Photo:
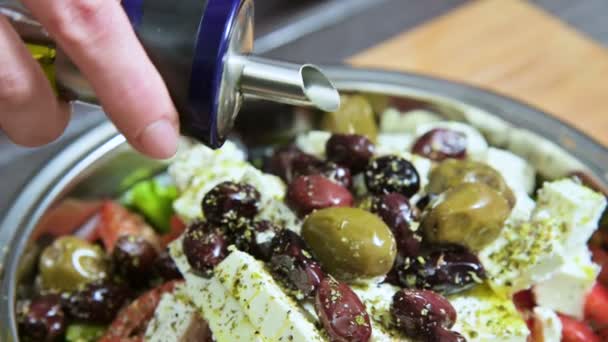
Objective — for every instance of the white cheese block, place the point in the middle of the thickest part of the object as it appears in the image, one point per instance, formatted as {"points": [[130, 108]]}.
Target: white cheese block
{"points": [[484, 316], [393, 143], [227, 320], [313, 142], [176, 320], [576, 207], [394, 121], [477, 147], [198, 169], [194, 158], [517, 173], [269, 308], [548, 324], [565, 291], [529, 253], [522, 211]]}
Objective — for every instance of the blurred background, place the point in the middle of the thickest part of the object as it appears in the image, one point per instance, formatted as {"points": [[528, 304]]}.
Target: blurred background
{"points": [[423, 35]]}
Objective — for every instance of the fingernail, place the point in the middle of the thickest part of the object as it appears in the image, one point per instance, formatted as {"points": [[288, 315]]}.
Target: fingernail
{"points": [[160, 139]]}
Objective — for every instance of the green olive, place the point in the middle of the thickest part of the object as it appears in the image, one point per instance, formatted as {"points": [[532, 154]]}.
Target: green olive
{"points": [[355, 116], [471, 214], [350, 242], [69, 263], [452, 172]]}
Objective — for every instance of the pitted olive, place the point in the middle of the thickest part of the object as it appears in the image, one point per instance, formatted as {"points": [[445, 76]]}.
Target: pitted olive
{"points": [[452, 172], [355, 116], [350, 242], [471, 214], [70, 263]]}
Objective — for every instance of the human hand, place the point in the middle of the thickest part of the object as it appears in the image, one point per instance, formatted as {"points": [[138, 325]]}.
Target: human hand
{"points": [[98, 37]]}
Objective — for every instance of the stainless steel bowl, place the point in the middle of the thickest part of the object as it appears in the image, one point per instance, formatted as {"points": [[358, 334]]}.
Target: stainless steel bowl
{"points": [[101, 164]]}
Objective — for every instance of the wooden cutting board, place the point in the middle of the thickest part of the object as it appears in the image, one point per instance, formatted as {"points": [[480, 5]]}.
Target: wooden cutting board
{"points": [[511, 47]]}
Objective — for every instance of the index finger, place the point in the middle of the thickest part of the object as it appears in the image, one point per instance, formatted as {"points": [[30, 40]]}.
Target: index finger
{"points": [[99, 39]]}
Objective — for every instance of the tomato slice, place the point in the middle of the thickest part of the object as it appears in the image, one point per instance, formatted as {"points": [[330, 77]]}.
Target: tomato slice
{"points": [[600, 256], [65, 217], [177, 227], [130, 323], [524, 300], [576, 331], [116, 221], [596, 307]]}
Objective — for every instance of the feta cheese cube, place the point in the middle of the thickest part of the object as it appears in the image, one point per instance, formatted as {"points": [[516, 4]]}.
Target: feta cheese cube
{"points": [[565, 291], [394, 121], [313, 142], [547, 324], [176, 320], [484, 316], [529, 253], [393, 143], [517, 173]]}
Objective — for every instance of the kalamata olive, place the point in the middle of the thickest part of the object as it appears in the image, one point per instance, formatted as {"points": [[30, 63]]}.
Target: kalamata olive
{"points": [[391, 173], [97, 303], [205, 246], [285, 160], [441, 334], [341, 312], [441, 143], [41, 319], [229, 203], [452, 173], [70, 263], [134, 258], [355, 116], [471, 214], [351, 150], [446, 270], [308, 193], [415, 311], [306, 165], [350, 242], [292, 262], [396, 211], [424, 201], [165, 267], [261, 244]]}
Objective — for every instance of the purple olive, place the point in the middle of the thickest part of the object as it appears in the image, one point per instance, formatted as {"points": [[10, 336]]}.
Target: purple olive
{"points": [[396, 211], [41, 319], [308, 193], [291, 261], [440, 334], [264, 232], [165, 267], [391, 173], [97, 303], [229, 204], [440, 143], [134, 258], [204, 246], [351, 150], [286, 160], [446, 270], [416, 312], [341, 312]]}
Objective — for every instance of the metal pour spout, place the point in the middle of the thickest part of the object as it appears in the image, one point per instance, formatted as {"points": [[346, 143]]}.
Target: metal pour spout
{"points": [[287, 83]]}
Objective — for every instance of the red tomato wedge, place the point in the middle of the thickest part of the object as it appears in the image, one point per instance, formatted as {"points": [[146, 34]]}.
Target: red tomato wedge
{"points": [[596, 307], [116, 221], [131, 322], [600, 256], [177, 227], [65, 217], [524, 300], [576, 331]]}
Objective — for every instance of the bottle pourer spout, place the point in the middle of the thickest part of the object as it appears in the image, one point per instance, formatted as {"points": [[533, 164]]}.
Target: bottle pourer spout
{"points": [[288, 83]]}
